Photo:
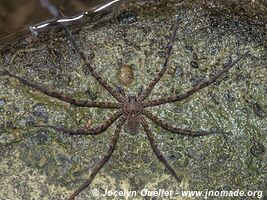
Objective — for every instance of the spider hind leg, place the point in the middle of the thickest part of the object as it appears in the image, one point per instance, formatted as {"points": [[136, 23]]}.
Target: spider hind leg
{"points": [[159, 155]]}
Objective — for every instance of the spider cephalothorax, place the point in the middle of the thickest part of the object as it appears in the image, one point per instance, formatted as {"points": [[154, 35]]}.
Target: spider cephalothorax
{"points": [[132, 105], [131, 108]]}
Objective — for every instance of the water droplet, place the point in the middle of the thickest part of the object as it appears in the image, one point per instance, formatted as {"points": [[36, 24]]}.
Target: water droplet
{"points": [[257, 149], [40, 111], [92, 95], [194, 64], [42, 137], [192, 153], [195, 56], [146, 159], [258, 110], [127, 17], [2, 102], [240, 78], [188, 49], [222, 158], [229, 97], [179, 72]]}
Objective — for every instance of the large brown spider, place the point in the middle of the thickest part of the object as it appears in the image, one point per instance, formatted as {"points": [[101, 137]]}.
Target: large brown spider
{"points": [[129, 108]]}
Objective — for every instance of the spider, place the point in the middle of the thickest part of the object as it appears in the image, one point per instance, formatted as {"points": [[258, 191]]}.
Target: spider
{"points": [[131, 110]]}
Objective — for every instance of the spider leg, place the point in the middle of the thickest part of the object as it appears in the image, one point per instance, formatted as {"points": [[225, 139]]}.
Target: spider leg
{"points": [[151, 85], [83, 131], [103, 161], [156, 150], [62, 97], [100, 80], [195, 89], [140, 90], [180, 131], [120, 90]]}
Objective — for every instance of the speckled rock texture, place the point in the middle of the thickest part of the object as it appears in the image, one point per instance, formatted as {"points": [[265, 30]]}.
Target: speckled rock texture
{"points": [[39, 163]]}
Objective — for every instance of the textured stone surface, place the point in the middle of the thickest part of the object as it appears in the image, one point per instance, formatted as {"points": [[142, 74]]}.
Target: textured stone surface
{"points": [[43, 164]]}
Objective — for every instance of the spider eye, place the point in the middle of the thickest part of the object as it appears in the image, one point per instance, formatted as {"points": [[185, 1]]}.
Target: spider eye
{"points": [[131, 97]]}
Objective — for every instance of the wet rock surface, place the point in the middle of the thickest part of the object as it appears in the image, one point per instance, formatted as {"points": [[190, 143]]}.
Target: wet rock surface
{"points": [[38, 163]]}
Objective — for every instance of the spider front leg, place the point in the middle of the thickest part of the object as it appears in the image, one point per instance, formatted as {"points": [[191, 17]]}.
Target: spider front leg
{"points": [[151, 85], [91, 131], [100, 80], [156, 150], [62, 97], [169, 99], [140, 90], [121, 90], [180, 131], [103, 161]]}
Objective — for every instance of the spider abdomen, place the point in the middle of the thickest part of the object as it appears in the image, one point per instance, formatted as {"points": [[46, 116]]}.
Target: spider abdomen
{"points": [[133, 123]]}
